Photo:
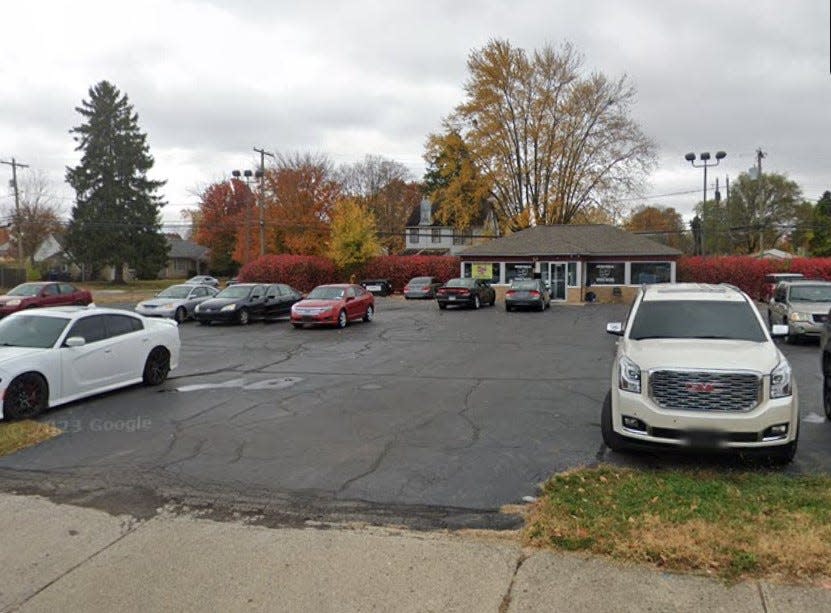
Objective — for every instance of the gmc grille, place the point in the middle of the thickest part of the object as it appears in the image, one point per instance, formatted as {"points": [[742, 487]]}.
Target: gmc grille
{"points": [[705, 391]]}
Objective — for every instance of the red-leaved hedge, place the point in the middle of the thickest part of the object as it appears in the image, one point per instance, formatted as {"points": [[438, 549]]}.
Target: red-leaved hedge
{"points": [[748, 273], [303, 272], [401, 268]]}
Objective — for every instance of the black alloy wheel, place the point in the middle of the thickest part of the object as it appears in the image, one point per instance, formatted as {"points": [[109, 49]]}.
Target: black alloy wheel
{"points": [[157, 366], [26, 397]]}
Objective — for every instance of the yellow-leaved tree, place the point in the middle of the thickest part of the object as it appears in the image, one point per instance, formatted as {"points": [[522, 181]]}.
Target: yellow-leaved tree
{"points": [[354, 235]]}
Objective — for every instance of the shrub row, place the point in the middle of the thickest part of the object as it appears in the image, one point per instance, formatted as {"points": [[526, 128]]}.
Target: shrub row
{"points": [[401, 268], [748, 273], [305, 272], [302, 272]]}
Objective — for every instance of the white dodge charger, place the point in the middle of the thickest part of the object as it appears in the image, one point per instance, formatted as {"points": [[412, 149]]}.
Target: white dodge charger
{"points": [[56, 355]]}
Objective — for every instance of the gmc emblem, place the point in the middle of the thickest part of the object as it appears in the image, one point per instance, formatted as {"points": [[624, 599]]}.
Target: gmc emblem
{"points": [[701, 388]]}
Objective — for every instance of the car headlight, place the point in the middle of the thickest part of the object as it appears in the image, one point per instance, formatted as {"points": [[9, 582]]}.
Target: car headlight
{"points": [[796, 316], [229, 307], [169, 305], [198, 308], [629, 375], [781, 380], [13, 303]]}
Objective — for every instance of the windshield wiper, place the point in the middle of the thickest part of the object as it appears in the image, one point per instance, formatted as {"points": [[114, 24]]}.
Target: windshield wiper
{"points": [[8, 345]]}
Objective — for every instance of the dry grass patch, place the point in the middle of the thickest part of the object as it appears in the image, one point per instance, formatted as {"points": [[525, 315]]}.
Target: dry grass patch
{"points": [[735, 525], [17, 435]]}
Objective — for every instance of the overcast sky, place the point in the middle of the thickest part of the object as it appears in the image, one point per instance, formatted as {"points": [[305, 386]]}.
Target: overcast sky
{"points": [[212, 79]]}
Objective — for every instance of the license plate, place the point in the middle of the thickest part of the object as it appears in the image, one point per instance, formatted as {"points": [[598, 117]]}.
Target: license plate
{"points": [[706, 439], [374, 288], [452, 298], [308, 318]]}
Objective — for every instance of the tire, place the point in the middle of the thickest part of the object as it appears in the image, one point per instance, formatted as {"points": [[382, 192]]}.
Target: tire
{"points": [[476, 303], [204, 322], [770, 322], [508, 308], [180, 315], [542, 306], [784, 454], [243, 317], [297, 326], [612, 439], [442, 306], [26, 397], [342, 320], [157, 366], [370, 313], [826, 385]]}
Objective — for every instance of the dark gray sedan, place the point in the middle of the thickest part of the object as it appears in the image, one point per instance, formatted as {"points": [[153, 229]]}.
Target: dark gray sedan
{"points": [[527, 293]]}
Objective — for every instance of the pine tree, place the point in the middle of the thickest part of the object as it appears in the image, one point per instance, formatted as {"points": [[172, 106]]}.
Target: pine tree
{"points": [[821, 235], [116, 218]]}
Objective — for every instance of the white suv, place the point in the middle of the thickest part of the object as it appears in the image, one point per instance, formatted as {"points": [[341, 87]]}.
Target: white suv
{"points": [[696, 366]]}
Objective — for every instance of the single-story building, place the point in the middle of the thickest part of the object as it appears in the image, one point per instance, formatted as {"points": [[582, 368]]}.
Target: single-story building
{"points": [[185, 258], [578, 262]]}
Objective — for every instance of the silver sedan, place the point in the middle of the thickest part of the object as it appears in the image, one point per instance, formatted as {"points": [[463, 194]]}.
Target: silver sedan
{"points": [[176, 302]]}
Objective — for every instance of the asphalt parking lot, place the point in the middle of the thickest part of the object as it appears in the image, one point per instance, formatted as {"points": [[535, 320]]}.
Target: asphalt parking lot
{"points": [[449, 414]]}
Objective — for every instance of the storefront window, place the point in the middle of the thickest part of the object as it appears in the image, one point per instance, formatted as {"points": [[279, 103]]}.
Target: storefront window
{"points": [[572, 274], [518, 271], [651, 272], [480, 270], [606, 274]]}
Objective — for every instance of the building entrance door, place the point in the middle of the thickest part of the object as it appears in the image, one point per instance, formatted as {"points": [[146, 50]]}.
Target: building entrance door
{"points": [[558, 281]]}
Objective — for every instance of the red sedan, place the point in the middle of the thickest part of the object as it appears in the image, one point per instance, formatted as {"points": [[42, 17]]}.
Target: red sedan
{"points": [[333, 305], [46, 294]]}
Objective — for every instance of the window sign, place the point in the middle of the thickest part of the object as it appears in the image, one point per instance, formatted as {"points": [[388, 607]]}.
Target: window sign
{"points": [[606, 274], [651, 272], [487, 271], [518, 271]]}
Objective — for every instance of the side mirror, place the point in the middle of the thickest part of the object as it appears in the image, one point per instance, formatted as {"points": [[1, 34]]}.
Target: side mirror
{"points": [[75, 341], [350, 298], [615, 328], [255, 297], [779, 330]]}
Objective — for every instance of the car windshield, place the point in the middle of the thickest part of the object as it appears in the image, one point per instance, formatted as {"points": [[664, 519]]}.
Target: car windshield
{"points": [[175, 291], [459, 283], [326, 293], [26, 289], [234, 292], [696, 319], [524, 284], [421, 281], [778, 278], [31, 331], [811, 293]]}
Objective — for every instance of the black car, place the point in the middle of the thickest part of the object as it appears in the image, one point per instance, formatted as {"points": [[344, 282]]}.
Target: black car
{"points": [[238, 303], [465, 292], [279, 299], [377, 287], [527, 293]]}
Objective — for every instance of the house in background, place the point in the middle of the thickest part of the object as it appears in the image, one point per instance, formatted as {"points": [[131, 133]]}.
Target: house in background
{"points": [[7, 250], [425, 236], [774, 254], [185, 258]]}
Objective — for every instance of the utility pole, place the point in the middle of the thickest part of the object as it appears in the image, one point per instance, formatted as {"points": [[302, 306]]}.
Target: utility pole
{"points": [[15, 164], [262, 153], [759, 155]]}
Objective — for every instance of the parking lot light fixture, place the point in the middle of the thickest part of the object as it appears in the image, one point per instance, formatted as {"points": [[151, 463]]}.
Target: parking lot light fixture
{"points": [[705, 163]]}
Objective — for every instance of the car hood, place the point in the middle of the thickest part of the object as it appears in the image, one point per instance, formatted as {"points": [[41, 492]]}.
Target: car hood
{"points": [[221, 302], [317, 303], [5, 298], [155, 302], [13, 354], [703, 354], [800, 307]]}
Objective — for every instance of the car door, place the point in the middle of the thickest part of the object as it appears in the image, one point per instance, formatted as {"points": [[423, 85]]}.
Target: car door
{"points": [[50, 296], [353, 305], [197, 295], [289, 297], [272, 306], [256, 301], [129, 345], [90, 367]]}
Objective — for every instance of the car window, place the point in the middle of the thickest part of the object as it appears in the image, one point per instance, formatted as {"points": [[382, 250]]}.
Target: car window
{"points": [[91, 329], [811, 293], [50, 290], [286, 290], [258, 291], [273, 291], [31, 331], [350, 292], [122, 324], [66, 288]]}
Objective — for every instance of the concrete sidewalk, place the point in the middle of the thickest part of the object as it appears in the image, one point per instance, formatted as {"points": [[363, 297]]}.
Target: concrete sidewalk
{"points": [[58, 557]]}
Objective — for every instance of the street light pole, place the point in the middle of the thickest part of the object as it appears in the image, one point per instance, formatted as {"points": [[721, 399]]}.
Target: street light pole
{"points": [[261, 176], [247, 174], [18, 222], [705, 158]]}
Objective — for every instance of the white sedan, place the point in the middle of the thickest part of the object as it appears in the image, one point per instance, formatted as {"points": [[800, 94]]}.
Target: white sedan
{"points": [[56, 355]]}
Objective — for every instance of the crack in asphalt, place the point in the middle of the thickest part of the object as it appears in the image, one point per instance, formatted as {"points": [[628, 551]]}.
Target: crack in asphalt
{"points": [[376, 464], [477, 429]]}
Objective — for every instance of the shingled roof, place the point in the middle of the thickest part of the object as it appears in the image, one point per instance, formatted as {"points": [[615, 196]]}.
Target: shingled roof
{"points": [[570, 240], [180, 248]]}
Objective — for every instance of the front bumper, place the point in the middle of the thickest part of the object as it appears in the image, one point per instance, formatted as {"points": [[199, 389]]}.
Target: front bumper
{"points": [[321, 319], [805, 328], [216, 315], [156, 312], [724, 429]]}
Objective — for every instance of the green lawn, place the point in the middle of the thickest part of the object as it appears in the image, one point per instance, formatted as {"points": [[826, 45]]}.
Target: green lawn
{"points": [[731, 525]]}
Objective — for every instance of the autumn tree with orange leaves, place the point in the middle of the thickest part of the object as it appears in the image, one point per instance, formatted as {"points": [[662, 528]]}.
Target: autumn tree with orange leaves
{"points": [[663, 224], [217, 221]]}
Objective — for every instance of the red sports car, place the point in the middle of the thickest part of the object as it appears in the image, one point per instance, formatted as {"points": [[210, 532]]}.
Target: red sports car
{"points": [[46, 294], [333, 305]]}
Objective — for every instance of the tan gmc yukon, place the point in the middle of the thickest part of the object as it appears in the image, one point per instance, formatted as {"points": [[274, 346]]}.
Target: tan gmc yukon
{"points": [[696, 366]]}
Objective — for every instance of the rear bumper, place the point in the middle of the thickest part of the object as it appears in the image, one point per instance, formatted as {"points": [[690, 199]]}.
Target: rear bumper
{"points": [[457, 301], [524, 302]]}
